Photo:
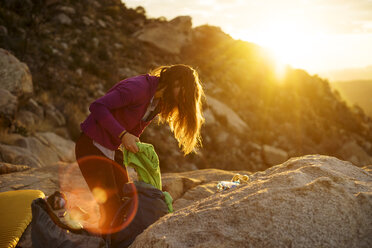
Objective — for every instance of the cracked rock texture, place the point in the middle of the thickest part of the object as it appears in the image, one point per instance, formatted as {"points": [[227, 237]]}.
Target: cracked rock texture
{"points": [[310, 201]]}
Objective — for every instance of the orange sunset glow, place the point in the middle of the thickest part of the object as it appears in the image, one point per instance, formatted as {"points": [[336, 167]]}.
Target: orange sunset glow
{"points": [[317, 36]]}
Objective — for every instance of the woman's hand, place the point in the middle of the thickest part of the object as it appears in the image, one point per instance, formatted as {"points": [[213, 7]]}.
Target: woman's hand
{"points": [[129, 141]]}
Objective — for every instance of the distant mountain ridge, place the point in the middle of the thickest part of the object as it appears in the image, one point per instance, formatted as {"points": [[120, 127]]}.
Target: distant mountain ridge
{"points": [[348, 74], [356, 92]]}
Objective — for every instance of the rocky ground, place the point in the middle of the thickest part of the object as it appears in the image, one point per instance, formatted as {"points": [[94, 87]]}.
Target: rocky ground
{"points": [[308, 201], [311, 201]]}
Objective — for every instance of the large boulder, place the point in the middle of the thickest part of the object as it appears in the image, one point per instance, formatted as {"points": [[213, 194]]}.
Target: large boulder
{"points": [[311, 201], [42, 151], [273, 155], [15, 75], [170, 36], [8, 104], [64, 148], [220, 109], [19, 155], [354, 153]]}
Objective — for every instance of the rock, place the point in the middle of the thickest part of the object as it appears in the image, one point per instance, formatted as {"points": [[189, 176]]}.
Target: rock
{"points": [[253, 146], [63, 147], [8, 104], [41, 150], [9, 168], [9, 138], [56, 51], [95, 42], [368, 168], [183, 23], [63, 19], [177, 185], [87, 21], [188, 187], [101, 23], [17, 186], [352, 152], [79, 72], [209, 117], [35, 108], [27, 118], [15, 75], [74, 116], [19, 155], [33, 178], [118, 46], [222, 137], [139, 22], [96, 4], [273, 156], [169, 36], [51, 2], [197, 193], [367, 145], [54, 116], [311, 201], [45, 153], [127, 72], [64, 45], [220, 109], [188, 166], [3, 31], [67, 10]]}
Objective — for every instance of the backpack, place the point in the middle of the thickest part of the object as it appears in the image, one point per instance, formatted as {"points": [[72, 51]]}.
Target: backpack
{"points": [[48, 231], [144, 205]]}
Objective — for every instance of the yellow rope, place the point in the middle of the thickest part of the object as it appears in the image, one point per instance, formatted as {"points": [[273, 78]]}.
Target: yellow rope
{"points": [[240, 178]]}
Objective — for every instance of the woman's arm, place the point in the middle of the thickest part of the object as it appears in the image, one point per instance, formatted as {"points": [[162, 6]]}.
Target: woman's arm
{"points": [[116, 98]]}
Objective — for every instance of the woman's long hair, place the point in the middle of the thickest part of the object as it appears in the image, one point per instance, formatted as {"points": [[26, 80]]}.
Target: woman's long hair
{"points": [[184, 114]]}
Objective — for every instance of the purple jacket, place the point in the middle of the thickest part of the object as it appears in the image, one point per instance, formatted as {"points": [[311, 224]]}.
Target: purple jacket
{"points": [[121, 108]]}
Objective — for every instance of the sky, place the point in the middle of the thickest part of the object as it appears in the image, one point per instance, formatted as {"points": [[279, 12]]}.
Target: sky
{"points": [[315, 35]]}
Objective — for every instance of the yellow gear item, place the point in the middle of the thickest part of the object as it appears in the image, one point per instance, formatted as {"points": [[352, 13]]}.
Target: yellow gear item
{"points": [[15, 214]]}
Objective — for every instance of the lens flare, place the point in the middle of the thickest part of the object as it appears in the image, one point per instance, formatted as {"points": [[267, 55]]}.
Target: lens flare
{"points": [[78, 194], [99, 195]]}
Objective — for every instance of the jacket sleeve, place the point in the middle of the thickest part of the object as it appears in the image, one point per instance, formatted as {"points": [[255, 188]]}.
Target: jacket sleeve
{"points": [[119, 97]]}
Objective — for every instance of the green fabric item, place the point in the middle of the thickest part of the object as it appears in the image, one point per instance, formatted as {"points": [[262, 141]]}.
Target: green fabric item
{"points": [[146, 164], [168, 201], [168, 198]]}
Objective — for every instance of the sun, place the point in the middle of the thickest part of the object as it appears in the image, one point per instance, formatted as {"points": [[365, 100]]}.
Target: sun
{"points": [[291, 42]]}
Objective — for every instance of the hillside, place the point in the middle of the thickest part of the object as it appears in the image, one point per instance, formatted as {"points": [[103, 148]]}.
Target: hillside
{"points": [[356, 92], [77, 50]]}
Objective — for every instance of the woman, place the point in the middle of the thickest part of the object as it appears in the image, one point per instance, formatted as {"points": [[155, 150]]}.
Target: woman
{"points": [[119, 118]]}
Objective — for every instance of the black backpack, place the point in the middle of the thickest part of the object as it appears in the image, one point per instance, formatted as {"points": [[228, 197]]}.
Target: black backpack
{"points": [[145, 201], [149, 207], [48, 231]]}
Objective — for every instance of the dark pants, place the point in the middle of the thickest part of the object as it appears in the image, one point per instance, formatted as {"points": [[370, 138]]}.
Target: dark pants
{"points": [[103, 173]]}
